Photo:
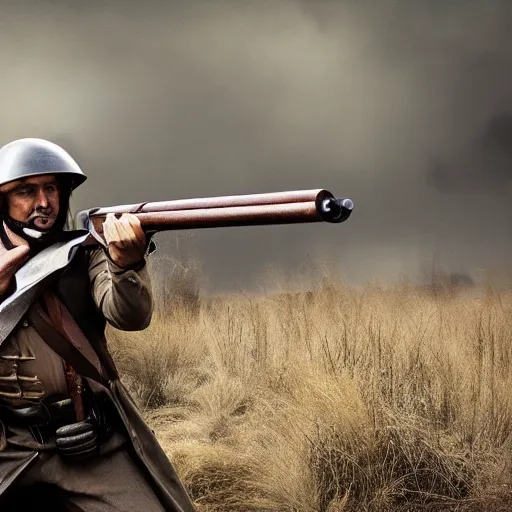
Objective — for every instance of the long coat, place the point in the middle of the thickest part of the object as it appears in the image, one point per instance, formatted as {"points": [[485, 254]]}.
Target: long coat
{"points": [[95, 292]]}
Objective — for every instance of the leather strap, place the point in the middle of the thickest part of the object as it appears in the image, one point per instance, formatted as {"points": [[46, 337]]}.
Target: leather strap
{"points": [[62, 346], [96, 354], [73, 380]]}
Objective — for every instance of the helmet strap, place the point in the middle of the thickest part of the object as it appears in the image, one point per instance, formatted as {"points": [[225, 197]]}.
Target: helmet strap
{"points": [[35, 243], [4, 237], [47, 237]]}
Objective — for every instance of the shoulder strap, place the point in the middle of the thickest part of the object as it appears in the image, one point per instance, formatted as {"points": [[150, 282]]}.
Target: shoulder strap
{"points": [[85, 315], [66, 350]]}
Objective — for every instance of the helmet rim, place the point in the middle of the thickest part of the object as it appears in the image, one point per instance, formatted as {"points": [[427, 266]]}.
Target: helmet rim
{"points": [[30, 157]]}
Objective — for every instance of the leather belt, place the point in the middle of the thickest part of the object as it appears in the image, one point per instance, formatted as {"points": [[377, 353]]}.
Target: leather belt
{"points": [[45, 417], [39, 414]]}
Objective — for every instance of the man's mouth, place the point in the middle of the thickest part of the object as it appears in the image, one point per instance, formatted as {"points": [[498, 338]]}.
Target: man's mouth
{"points": [[43, 216], [39, 225], [40, 221], [43, 219]]}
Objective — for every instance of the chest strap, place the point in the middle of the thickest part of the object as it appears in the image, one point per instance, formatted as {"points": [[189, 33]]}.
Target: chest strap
{"points": [[64, 345]]}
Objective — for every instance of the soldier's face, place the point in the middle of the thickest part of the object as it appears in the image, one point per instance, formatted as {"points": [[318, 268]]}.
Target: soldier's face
{"points": [[33, 200]]}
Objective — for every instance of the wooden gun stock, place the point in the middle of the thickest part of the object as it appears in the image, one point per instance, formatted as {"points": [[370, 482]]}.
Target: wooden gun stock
{"points": [[291, 207]]}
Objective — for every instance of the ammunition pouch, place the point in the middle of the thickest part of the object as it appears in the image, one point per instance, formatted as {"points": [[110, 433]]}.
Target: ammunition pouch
{"points": [[54, 420]]}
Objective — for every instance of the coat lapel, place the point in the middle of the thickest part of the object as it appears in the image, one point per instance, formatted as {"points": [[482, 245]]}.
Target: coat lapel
{"points": [[34, 278]]}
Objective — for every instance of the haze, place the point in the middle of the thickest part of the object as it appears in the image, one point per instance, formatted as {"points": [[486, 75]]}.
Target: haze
{"points": [[405, 107]]}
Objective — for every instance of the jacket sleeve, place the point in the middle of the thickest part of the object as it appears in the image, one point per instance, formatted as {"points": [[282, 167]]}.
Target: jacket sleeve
{"points": [[124, 297]]}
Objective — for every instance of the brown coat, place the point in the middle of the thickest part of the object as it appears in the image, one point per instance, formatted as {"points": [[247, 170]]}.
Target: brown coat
{"points": [[96, 292]]}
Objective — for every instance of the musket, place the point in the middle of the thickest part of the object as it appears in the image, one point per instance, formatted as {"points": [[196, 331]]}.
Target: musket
{"points": [[290, 207]]}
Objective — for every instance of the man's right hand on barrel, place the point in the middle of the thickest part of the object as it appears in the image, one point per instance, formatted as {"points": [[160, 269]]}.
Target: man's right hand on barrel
{"points": [[10, 262]]}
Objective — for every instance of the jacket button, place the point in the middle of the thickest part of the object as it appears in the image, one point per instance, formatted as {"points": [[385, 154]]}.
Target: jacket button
{"points": [[25, 323]]}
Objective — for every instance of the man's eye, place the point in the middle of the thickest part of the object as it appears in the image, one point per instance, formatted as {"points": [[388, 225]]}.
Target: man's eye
{"points": [[24, 191], [51, 189]]}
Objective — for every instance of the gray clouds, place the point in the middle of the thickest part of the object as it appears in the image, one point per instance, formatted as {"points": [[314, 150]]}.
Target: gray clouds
{"points": [[391, 103]]}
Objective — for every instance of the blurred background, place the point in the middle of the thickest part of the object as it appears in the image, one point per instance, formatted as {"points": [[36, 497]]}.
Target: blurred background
{"points": [[403, 106]]}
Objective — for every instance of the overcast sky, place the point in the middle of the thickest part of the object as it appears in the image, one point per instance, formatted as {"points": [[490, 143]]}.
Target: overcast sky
{"points": [[403, 106]]}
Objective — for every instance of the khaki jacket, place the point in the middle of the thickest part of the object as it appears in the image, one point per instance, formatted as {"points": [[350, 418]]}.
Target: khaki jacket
{"points": [[95, 292]]}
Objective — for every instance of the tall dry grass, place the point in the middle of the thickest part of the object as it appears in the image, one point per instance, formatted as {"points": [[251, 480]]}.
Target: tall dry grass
{"points": [[335, 400]]}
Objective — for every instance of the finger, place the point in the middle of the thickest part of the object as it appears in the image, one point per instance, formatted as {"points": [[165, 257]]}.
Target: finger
{"points": [[11, 260], [127, 233], [19, 252], [74, 429], [106, 227], [137, 229], [110, 230]]}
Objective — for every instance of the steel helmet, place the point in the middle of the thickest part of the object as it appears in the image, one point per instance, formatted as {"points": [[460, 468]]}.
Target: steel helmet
{"points": [[23, 158]]}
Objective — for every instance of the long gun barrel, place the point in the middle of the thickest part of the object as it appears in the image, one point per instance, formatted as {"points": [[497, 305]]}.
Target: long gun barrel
{"points": [[291, 207]]}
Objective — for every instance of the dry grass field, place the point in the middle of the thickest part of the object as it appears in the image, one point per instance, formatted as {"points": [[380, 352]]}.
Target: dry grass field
{"points": [[340, 399]]}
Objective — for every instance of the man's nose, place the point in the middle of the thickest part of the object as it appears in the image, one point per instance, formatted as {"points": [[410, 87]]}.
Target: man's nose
{"points": [[42, 199]]}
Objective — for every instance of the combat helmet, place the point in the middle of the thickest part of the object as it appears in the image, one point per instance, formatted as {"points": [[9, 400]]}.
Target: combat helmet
{"points": [[28, 157], [24, 158]]}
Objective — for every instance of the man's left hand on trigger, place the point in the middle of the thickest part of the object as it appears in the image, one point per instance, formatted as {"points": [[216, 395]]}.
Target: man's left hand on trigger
{"points": [[125, 238]]}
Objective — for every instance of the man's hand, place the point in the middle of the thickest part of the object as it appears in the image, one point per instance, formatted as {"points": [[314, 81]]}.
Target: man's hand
{"points": [[125, 238], [77, 440], [10, 262]]}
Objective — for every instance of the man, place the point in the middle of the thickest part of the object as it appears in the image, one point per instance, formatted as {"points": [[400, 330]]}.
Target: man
{"points": [[69, 431]]}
